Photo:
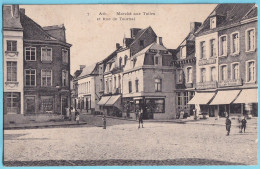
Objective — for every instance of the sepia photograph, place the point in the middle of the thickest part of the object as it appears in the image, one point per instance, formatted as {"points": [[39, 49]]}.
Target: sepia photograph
{"points": [[130, 84]]}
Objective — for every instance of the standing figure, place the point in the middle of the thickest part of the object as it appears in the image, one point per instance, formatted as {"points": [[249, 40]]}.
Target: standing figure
{"points": [[77, 116], [141, 118], [228, 125], [136, 114], [243, 126], [104, 122]]}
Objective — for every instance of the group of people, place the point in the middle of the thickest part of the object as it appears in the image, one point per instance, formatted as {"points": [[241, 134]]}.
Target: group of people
{"points": [[72, 114], [242, 125]]}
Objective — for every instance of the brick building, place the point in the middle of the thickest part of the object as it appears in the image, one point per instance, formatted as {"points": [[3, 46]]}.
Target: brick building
{"points": [[226, 61]]}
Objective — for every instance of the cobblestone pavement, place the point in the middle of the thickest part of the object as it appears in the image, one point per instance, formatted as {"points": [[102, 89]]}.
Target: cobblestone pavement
{"points": [[125, 144]]}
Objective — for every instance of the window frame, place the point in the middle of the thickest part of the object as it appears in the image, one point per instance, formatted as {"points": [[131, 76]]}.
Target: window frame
{"points": [[232, 70], [42, 77], [246, 40], [30, 77], [66, 78], [201, 79], [221, 46], [130, 87], [11, 41], [46, 47], [203, 54], [220, 72], [67, 57], [211, 77], [187, 74], [232, 43], [26, 49], [210, 48], [13, 79], [136, 85], [158, 85], [247, 72]]}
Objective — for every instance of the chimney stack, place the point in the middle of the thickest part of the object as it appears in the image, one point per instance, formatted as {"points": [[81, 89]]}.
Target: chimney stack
{"points": [[134, 32], [22, 10], [160, 40], [81, 67], [118, 46], [15, 11], [194, 26]]}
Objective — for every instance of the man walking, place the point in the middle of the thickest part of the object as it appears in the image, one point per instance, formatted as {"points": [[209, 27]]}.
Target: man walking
{"points": [[228, 125], [141, 118], [243, 126]]}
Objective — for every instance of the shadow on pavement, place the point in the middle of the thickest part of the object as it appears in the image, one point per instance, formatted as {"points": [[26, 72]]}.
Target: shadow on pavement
{"points": [[120, 162]]}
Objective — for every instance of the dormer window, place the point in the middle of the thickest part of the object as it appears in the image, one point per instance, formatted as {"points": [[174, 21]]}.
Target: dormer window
{"points": [[183, 52], [125, 59], [134, 62], [213, 23], [141, 43]]}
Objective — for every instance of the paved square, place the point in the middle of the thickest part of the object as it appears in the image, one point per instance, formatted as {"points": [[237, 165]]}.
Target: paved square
{"points": [[157, 141]]}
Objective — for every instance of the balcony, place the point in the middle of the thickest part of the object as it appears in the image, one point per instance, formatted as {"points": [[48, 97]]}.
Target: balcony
{"points": [[11, 84], [207, 61], [11, 53], [230, 82], [206, 85]]}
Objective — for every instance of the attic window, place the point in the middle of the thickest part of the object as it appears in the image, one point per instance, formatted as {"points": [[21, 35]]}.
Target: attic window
{"points": [[213, 23], [153, 50], [141, 43]]}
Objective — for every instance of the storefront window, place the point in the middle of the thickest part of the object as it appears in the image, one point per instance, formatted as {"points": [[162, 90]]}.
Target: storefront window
{"points": [[156, 105], [47, 104]]}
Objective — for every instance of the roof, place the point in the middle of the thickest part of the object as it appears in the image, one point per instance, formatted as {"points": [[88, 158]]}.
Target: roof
{"points": [[9, 21], [54, 27], [154, 46], [140, 33], [33, 31], [231, 13], [87, 71]]}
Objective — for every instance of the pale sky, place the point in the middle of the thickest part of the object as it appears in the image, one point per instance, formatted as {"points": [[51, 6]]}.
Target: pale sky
{"points": [[93, 40]]}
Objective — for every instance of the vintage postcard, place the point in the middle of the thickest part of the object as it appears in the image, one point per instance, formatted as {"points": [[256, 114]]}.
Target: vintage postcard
{"points": [[130, 85]]}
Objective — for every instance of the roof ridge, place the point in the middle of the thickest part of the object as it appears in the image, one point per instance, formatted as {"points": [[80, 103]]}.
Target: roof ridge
{"points": [[253, 7], [144, 30]]}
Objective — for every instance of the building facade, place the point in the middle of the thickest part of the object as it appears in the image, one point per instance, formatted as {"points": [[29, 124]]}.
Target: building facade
{"points": [[226, 61]]}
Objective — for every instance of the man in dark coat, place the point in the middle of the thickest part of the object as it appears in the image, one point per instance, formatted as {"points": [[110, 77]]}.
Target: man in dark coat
{"points": [[243, 126], [228, 125], [141, 118]]}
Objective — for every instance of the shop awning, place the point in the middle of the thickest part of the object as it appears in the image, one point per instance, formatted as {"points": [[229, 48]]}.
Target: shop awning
{"points": [[112, 100], [247, 96], [225, 97], [103, 100], [202, 98]]}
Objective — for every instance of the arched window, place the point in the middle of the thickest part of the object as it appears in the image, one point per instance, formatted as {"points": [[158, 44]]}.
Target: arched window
{"points": [[125, 59], [120, 62]]}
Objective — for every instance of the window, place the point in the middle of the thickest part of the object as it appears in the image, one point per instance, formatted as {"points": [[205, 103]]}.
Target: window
{"points": [[202, 50], [65, 56], [251, 71], [213, 74], [11, 71], [189, 75], [107, 87], [183, 52], [213, 23], [12, 102], [223, 45], [101, 85], [235, 71], [125, 60], [134, 62], [179, 100], [212, 48], [46, 77], [179, 76], [46, 104], [11, 46], [141, 43], [158, 85], [30, 54], [114, 82], [110, 85], [155, 105], [235, 43], [46, 54], [130, 86], [156, 60], [223, 72], [136, 85], [64, 78], [119, 81], [30, 77], [203, 75], [250, 39], [186, 99], [120, 62]]}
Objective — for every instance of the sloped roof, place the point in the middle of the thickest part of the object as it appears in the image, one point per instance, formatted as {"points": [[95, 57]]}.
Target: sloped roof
{"points": [[154, 46], [9, 21], [87, 71], [232, 13], [140, 33]]}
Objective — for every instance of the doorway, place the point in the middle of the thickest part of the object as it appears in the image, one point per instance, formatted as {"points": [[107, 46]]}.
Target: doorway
{"points": [[29, 104]]}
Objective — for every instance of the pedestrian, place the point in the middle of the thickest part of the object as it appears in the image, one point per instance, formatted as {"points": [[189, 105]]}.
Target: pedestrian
{"points": [[136, 114], [68, 113], [104, 122], [72, 113], [228, 125], [243, 126], [239, 124], [141, 118], [77, 116]]}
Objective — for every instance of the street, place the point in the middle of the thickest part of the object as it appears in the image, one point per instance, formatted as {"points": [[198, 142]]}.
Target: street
{"points": [[125, 144]]}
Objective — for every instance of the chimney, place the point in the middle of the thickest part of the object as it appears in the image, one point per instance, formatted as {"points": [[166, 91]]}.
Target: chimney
{"points": [[160, 41], [118, 46], [81, 67], [194, 26], [22, 10], [15, 11], [134, 32]]}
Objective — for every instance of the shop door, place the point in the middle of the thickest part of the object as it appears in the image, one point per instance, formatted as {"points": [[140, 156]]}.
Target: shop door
{"points": [[29, 104], [64, 104]]}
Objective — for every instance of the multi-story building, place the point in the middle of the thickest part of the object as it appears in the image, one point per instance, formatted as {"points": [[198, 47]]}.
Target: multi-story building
{"points": [[185, 65], [12, 62], [74, 87], [226, 61]]}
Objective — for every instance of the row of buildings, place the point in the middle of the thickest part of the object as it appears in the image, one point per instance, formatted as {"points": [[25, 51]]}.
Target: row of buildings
{"points": [[214, 70], [36, 64]]}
